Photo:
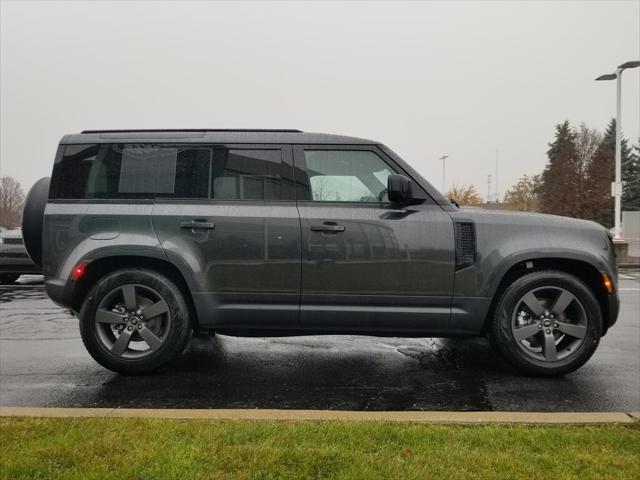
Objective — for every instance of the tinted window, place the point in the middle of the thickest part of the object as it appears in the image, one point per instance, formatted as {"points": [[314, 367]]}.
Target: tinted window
{"points": [[183, 172], [136, 169], [103, 171], [347, 176], [131, 171], [247, 175], [69, 177]]}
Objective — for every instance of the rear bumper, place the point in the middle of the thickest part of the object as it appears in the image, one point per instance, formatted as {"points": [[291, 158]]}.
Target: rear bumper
{"points": [[60, 291]]}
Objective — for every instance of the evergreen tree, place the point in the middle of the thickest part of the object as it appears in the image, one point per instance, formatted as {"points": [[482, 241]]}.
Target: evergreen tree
{"points": [[631, 179], [562, 177]]}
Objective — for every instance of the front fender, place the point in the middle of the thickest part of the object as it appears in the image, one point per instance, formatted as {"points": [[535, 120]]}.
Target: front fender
{"points": [[489, 285], [502, 247]]}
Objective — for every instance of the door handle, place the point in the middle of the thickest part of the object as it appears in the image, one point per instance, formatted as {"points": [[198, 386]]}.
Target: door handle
{"points": [[197, 224], [327, 228]]}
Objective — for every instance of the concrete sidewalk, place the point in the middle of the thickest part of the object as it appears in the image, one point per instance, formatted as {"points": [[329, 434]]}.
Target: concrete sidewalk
{"points": [[323, 415]]}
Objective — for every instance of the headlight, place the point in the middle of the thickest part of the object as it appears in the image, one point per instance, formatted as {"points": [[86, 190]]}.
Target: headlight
{"points": [[1, 240]]}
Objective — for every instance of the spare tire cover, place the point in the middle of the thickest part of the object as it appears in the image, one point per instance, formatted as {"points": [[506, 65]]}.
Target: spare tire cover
{"points": [[33, 218]]}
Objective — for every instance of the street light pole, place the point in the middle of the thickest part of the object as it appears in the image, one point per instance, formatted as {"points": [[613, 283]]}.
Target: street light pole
{"points": [[616, 186], [443, 158], [617, 228]]}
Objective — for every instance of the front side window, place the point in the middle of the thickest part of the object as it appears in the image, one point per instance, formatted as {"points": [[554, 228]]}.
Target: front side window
{"points": [[347, 176], [251, 174]]}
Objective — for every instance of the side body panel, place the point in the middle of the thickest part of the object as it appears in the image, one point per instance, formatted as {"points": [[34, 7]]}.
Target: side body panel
{"points": [[246, 270], [391, 269], [82, 232]]}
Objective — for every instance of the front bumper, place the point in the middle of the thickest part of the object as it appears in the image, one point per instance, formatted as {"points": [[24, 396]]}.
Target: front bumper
{"points": [[613, 307]]}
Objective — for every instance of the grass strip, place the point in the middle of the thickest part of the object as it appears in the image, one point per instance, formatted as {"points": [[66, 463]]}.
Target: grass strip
{"points": [[137, 448]]}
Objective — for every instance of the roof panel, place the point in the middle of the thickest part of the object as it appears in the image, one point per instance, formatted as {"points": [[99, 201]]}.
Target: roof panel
{"points": [[213, 136]]}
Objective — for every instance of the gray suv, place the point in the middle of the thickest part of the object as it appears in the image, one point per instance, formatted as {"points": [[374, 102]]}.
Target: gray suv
{"points": [[152, 235]]}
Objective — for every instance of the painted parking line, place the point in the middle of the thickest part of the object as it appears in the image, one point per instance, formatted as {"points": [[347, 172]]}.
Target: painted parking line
{"points": [[325, 415]]}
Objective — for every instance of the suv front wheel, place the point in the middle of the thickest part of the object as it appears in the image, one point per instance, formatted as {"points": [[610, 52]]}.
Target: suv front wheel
{"points": [[134, 321], [547, 323]]}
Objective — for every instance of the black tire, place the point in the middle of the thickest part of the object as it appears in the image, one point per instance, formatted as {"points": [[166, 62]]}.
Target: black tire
{"points": [[7, 278], [502, 336], [178, 331], [33, 218]]}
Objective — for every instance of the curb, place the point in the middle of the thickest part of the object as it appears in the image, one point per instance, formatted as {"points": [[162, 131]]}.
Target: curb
{"points": [[584, 418]]}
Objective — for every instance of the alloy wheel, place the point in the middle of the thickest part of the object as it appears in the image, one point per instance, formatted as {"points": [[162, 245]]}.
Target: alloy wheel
{"points": [[132, 321], [549, 323]]}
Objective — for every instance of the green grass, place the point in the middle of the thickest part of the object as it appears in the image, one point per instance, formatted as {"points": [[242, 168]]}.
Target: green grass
{"points": [[123, 449]]}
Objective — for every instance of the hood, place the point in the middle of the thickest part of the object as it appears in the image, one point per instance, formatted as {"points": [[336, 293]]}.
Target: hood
{"points": [[509, 217]]}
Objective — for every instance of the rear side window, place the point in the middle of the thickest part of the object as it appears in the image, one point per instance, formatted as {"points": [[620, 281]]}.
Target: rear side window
{"points": [[112, 171], [247, 174], [183, 172], [103, 171]]}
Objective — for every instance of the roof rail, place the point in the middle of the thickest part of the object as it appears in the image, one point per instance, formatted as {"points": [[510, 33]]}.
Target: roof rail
{"points": [[261, 130]]}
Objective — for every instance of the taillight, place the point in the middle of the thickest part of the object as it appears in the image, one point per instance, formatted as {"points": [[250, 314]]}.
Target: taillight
{"points": [[78, 271]]}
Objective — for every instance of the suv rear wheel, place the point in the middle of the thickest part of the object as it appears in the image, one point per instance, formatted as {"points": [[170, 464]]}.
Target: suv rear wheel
{"points": [[547, 323], [134, 321]]}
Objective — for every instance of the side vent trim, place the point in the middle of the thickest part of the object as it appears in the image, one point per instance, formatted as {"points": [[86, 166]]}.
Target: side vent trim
{"points": [[465, 244]]}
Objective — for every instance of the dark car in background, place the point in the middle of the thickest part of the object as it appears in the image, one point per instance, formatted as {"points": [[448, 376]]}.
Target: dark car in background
{"points": [[14, 259], [151, 235]]}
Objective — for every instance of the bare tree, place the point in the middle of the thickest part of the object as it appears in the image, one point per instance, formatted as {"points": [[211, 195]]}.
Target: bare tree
{"points": [[587, 141], [11, 202], [464, 195]]}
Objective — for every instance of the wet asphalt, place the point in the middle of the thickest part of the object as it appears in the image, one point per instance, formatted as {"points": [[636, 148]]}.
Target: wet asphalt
{"points": [[43, 363]]}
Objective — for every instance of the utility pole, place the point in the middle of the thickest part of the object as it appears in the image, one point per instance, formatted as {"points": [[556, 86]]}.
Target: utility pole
{"points": [[488, 188], [443, 158], [496, 179]]}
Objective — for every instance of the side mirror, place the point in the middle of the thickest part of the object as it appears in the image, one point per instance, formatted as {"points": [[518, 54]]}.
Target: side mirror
{"points": [[399, 189]]}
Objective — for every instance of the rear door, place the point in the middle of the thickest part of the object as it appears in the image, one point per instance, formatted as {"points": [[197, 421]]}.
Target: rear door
{"points": [[226, 214], [367, 264]]}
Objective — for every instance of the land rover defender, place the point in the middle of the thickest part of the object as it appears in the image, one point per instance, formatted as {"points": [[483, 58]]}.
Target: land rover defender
{"points": [[151, 235]]}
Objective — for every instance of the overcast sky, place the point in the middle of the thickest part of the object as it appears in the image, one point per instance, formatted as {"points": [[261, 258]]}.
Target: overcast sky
{"points": [[428, 79]]}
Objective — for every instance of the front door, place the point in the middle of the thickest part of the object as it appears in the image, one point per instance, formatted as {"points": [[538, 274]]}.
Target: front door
{"points": [[367, 264]]}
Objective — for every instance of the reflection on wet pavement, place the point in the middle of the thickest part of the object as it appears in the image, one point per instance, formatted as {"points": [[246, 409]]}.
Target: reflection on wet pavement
{"points": [[43, 363]]}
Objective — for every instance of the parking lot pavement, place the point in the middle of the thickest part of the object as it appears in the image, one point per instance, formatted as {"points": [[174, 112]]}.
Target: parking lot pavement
{"points": [[43, 363]]}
